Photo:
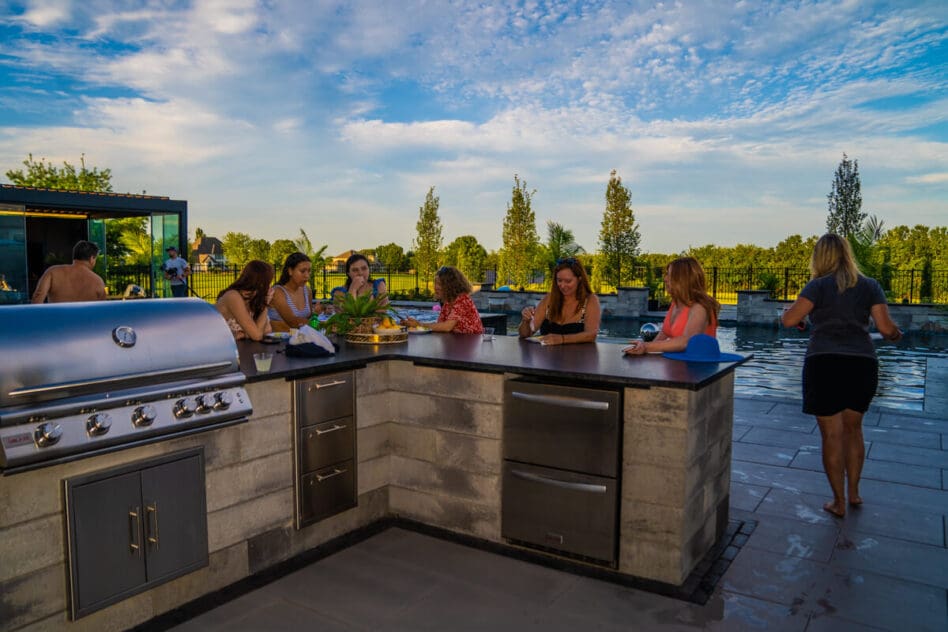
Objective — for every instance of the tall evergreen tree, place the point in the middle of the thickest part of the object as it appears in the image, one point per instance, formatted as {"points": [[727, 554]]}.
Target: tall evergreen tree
{"points": [[520, 236], [619, 236], [468, 256], [845, 200], [427, 243]]}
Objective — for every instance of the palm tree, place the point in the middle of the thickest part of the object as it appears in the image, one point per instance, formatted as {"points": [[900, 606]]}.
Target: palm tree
{"points": [[560, 243]]}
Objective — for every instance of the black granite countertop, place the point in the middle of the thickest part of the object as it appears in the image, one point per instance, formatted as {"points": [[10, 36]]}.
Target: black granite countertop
{"points": [[598, 362]]}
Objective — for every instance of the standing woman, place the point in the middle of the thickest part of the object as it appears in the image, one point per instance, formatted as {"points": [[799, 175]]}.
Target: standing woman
{"points": [[243, 303], [292, 302], [840, 369], [359, 282], [693, 310], [571, 310]]}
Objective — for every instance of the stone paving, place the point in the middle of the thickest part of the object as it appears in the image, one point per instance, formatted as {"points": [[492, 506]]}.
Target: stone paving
{"points": [[882, 567]]}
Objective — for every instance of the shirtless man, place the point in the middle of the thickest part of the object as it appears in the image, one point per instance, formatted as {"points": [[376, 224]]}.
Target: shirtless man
{"points": [[72, 282]]}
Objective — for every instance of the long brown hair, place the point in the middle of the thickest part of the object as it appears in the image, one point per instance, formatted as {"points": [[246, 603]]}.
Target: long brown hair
{"points": [[255, 278], [686, 285], [582, 289], [833, 255], [453, 283]]}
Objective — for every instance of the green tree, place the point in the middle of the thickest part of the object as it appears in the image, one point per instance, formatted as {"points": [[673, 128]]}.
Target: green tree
{"points": [[392, 256], [259, 249], [521, 242], [560, 243], [427, 244], [279, 251], [304, 245], [237, 248], [845, 200], [619, 236], [468, 256], [44, 175]]}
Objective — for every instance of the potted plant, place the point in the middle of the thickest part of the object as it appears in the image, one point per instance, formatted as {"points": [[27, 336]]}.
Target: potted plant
{"points": [[356, 318]]}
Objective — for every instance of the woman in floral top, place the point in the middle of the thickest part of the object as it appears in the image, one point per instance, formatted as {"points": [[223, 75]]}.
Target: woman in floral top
{"points": [[458, 312]]}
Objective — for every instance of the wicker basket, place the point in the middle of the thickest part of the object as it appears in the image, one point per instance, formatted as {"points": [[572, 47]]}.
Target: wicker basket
{"points": [[376, 338]]}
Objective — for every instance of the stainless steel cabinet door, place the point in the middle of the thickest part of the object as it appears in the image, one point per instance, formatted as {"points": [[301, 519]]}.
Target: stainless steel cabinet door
{"points": [[323, 398]]}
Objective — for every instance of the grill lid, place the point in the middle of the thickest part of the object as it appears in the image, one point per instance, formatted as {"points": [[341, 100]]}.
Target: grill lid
{"points": [[56, 351]]}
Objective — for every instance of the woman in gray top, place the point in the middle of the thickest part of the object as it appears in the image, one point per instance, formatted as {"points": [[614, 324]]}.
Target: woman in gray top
{"points": [[840, 370]]}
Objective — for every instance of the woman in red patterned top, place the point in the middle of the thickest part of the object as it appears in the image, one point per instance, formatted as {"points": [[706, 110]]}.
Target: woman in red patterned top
{"points": [[458, 312]]}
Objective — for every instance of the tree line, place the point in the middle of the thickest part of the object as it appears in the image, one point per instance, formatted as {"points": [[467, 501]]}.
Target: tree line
{"points": [[524, 257]]}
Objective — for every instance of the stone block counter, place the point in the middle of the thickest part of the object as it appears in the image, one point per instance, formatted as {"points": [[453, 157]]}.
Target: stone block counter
{"points": [[429, 417]]}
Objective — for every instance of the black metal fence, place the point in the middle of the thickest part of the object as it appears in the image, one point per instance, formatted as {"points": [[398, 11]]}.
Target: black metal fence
{"points": [[901, 286]]}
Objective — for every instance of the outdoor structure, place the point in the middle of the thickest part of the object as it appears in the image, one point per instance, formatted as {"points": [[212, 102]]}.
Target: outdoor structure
{"points": [[39, 227], [207, 253]]}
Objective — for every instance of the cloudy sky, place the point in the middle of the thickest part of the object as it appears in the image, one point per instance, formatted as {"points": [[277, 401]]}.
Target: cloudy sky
{"points": [[726, 120]]}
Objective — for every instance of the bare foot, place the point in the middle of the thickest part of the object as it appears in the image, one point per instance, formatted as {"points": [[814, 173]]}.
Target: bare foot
{"points": [[837, 508], [855, 500]]}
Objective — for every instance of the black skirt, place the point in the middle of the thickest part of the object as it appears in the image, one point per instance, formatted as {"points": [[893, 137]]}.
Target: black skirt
{"points": [[833, 383]]}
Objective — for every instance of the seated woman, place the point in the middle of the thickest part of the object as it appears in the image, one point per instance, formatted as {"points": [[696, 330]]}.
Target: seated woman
{"points": [[243, 303], [358, 281], [291, 305], [571, 310], [458, 313], [693, 310]]}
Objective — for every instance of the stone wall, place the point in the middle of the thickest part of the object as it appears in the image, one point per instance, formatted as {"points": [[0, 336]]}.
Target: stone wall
{"points": [[628, 301], [755, 307]]}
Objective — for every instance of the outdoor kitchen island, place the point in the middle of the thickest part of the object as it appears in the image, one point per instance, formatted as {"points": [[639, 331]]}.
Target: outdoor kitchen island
{"points": [[429, 434]]}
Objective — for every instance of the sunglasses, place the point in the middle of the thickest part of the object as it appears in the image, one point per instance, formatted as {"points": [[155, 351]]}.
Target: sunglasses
{"points": [[570, 261]]}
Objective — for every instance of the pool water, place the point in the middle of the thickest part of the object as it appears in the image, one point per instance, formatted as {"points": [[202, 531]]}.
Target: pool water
{"points": [[775, 370]]}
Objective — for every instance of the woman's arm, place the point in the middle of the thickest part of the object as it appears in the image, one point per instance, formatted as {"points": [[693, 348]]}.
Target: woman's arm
{"points": [[528, 318], [884, 322], [381, 292], [237, 307], [794, 315], [698, 321]]}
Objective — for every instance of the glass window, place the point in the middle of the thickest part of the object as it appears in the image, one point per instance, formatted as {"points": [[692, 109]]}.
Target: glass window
{"points": [[13, 279]]}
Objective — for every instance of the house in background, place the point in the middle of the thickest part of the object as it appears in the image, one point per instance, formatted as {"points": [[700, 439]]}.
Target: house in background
{"points": [[207, 253], [338, 263]]}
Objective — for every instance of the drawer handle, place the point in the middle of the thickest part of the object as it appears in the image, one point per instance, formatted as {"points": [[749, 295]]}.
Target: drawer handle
{"points": [[561, 400], [134, 526], [316, 387], [328, 430], [335, 472], [576, 487]]}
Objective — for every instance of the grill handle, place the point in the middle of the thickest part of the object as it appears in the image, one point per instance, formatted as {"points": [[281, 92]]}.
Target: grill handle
{"points": [[576, 487], [561, 400], [63, 386]]}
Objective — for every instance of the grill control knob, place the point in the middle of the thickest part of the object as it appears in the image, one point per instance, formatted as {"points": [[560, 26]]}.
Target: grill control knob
{"points": [[204, 404], [223, 400], [144, 416], [99, 424], [183, 408], [47, 434]]}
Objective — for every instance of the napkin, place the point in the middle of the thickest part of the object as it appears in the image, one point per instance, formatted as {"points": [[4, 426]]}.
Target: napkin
{"points": [[307, 334]]}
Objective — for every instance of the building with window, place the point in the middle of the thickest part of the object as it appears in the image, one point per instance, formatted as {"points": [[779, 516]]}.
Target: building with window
{"points": [[39, 227]]}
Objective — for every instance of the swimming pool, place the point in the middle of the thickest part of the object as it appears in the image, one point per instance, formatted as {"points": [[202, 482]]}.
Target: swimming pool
{"points": [[775, 370]]}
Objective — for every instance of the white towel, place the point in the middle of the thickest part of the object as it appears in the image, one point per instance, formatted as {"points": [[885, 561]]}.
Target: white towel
{"points": [[308, 334]]}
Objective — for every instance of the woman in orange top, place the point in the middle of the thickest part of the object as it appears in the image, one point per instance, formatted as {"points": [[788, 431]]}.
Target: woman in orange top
{"points": [[693, 310]]}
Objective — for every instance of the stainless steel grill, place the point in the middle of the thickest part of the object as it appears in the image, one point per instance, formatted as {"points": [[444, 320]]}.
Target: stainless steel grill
{"points": [[78, 379]]}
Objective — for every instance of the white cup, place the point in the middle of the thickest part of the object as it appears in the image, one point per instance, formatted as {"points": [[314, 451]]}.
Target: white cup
{"points": [[488, 333], [262, 361]]}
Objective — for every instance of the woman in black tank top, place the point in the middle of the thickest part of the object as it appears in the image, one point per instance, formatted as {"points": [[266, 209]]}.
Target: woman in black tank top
{"points": [[571, 311]]}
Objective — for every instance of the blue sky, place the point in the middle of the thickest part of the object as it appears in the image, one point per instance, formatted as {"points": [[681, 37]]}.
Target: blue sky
{"points": [[726, 120]]}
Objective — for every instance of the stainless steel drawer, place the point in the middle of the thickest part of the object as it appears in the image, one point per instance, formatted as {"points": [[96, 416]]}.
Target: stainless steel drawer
{"points": [[326, 492], [565, 511], [327, 443], [323, 398], [563, 427]]}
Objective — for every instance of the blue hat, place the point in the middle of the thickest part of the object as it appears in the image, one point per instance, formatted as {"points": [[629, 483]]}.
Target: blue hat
{"points": [[703, 348]]}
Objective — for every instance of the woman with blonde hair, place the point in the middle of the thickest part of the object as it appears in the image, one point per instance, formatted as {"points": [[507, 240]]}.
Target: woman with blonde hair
{"points": [[692, 311], [840, 369], [571, 310]]}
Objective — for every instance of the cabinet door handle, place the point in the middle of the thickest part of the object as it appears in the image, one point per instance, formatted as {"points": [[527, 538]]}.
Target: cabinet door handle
{"points": [[316, 387], [335, 472], [561, 400], [134, 528], [152, 523], [334, 428], [576, 487]]}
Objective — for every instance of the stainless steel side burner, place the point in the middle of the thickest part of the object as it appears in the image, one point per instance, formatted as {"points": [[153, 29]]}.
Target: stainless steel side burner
{"points": [[78, 379]]}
